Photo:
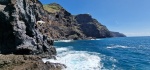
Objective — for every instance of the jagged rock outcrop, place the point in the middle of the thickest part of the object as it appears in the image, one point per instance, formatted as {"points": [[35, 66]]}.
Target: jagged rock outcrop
{"points": [[18, 33]]}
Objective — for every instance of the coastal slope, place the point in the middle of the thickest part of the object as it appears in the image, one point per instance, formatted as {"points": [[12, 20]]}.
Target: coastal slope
{"points": [[64, 25]]}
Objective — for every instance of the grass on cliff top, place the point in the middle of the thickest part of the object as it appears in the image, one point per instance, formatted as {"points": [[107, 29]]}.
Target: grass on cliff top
{"points": [[52, 8]]}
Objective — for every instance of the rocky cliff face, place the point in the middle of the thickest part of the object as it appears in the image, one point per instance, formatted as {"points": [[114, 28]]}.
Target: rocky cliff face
{"points": [[18, 33], [62, 24], [67, 26], [91, 27]]}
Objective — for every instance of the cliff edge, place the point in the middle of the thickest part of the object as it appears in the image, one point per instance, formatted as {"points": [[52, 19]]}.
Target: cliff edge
{"points": [[64, 25]]}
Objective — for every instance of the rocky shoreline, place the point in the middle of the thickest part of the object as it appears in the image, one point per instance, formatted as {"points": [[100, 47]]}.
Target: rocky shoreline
{"points": [[26, 62]]}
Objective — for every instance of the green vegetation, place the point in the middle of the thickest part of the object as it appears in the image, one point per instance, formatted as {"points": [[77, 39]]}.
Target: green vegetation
{"points": [[52, 8]]}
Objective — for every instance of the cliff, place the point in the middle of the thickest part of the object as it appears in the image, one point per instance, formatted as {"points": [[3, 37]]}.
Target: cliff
{"points": [[117, 34], [18, 33], [91, 27], [64, 25], [21, 35]]}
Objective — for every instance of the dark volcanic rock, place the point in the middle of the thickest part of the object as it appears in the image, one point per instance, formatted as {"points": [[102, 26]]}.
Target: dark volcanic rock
{"points": [[17, 28]]}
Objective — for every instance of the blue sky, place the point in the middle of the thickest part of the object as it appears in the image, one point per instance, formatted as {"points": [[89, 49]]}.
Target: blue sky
{"points": [[131, 17]]}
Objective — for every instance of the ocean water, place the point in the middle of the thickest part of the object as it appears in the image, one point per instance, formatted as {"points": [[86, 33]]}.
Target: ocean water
{"points": [[126, 53]]}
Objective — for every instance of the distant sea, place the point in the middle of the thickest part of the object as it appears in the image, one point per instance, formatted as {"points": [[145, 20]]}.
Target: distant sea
{"points": [[126, 53]]}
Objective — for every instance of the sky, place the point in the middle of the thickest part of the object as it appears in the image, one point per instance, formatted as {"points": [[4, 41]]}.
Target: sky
{"points": [[131, 17]]}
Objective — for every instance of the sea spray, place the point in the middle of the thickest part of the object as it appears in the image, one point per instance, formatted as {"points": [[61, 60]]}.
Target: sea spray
{"points": [[77, 60]]}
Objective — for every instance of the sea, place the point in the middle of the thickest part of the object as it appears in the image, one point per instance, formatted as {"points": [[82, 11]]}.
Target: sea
{"points": [[124, 53]]}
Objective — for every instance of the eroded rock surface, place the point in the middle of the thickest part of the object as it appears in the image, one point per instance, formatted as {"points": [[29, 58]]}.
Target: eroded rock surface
{"points": [[19, 33], [26, 62]]}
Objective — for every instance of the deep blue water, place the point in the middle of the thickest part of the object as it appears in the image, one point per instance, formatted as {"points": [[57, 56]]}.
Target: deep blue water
{"points": [[126, 53]]}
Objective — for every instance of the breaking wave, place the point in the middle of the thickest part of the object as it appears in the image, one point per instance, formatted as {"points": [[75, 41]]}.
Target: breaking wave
{"points": [[118, 46], [64, 41], [77, 60]]}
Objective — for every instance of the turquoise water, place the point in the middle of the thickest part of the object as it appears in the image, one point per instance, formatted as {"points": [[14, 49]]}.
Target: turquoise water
{"points": [[126, 53]]}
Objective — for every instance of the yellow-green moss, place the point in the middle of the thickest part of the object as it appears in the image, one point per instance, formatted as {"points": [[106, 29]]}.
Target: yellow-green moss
{"points": [[52, 8]]}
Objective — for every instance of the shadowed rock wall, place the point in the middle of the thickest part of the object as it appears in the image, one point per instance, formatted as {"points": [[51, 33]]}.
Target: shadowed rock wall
{"points": [[17, 28]]}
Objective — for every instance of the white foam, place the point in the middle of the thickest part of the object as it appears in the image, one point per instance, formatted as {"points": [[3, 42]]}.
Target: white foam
{"points": [[62, 49], [50, 60], [92, 39], [64, 41], [95, 39], [78, 60], [98, 39], [118, 46]]}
